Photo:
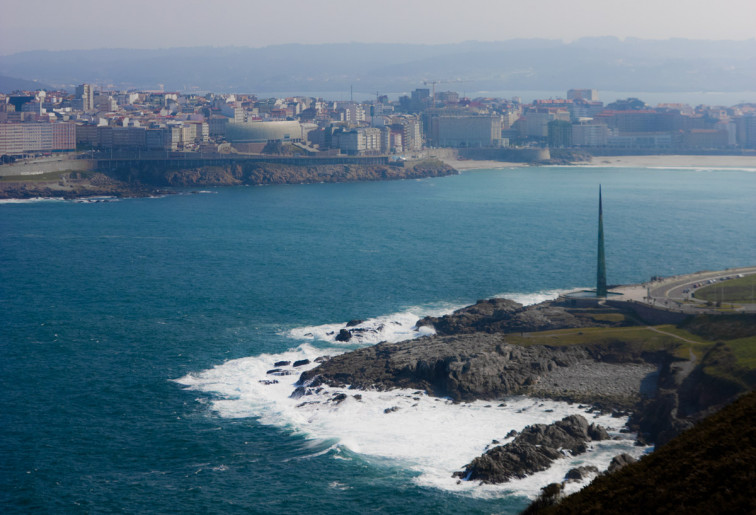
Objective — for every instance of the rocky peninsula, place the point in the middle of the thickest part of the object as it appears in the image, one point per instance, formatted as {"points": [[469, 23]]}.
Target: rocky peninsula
{"points": [[599, 356], [471, 357], [150, 179]]}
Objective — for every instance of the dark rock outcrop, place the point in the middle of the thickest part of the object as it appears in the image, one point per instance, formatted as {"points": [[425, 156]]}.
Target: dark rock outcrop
{"points": [[620, 461], [465, 367], [504, 316], [532, 450], [580, 473], [343, 336], [74, 185], [260, 172]]}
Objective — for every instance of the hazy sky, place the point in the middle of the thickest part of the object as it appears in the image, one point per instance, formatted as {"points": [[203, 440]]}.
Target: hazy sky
{"points": [[86, 24]]}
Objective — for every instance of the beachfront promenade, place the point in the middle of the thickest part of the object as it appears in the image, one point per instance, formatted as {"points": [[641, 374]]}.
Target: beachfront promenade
{"points": [[676, 293]]}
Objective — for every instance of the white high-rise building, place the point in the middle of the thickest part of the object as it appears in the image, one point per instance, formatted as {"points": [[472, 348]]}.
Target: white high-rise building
{"points": [[85, 93]]}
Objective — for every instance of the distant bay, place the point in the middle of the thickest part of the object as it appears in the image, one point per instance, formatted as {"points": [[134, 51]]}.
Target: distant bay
{"points": [[109, 310]]}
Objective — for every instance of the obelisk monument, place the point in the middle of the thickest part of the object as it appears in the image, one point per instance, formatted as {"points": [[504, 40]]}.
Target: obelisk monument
{"points": [[600, 263]]}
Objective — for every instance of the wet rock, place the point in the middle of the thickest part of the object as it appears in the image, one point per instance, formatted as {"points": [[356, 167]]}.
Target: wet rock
{"points": [[596, 432], [580, 473], [391, 409], [268, 381], [533, 450], [354, 322], [282, 363], [343, 336], [279, 372], [339, 397], [620, 461], [301, 362]]}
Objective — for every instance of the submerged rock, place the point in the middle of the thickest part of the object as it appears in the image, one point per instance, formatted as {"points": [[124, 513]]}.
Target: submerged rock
{"points": [[343, 336]]}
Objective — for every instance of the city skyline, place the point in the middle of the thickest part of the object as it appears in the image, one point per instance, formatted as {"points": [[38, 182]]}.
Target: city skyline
{"points": [[88, 24]]}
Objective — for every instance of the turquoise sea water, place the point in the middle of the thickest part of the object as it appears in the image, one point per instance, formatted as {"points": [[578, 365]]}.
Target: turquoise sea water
{"points": [[103, 307]]}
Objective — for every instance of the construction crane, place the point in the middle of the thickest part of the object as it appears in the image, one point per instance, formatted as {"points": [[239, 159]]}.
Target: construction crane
{"points": [[434, 82]]}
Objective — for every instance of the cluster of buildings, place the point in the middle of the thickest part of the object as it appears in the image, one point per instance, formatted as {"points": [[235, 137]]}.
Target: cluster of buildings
{"points": [[54, 121]]}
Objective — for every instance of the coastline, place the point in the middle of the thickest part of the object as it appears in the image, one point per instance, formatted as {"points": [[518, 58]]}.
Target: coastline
{"points": [[673, 161], [149, 179], [642, 161], [149, 182], [471, 164]]}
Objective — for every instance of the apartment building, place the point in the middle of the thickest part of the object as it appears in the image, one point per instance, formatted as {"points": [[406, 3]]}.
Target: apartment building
{"points": [[19, 138]]}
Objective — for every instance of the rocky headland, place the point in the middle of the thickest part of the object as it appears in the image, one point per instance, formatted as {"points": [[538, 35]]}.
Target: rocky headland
{"points": [[73, 185], [255, 173], [150, 178], [495, 349], [471, 358]]}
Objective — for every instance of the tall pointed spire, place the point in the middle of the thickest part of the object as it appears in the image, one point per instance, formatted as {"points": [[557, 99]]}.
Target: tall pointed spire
{"points": [[601, 263]]}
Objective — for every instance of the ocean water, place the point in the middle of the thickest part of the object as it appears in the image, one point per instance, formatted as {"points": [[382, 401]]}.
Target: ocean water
{"points": [[134, 335]]}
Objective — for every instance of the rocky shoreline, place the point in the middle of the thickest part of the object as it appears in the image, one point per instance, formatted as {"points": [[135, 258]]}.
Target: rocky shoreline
{"points": [[471, 358], [73, 185], [532, 450], [150, 179]]}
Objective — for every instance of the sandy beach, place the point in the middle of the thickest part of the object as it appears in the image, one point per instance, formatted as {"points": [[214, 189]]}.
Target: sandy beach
{"points": [[470, 164], [656, 161], [671, 161]]}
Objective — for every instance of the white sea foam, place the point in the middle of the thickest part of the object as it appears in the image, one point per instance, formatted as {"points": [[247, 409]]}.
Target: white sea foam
{"points": [[401, 326], [528, 299], [31, 200], [390, 328], [432, 437]]}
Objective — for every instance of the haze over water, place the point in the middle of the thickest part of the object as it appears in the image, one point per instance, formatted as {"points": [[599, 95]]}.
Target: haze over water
{"points": [[111, 311]]}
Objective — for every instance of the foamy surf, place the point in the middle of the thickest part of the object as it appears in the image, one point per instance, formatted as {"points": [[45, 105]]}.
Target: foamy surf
{"points": [[430, 436], [400, 326], [31, 200]]}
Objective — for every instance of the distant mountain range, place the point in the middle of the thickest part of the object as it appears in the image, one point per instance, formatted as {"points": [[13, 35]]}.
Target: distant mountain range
{"points": [[9, 84], [605, 63]]}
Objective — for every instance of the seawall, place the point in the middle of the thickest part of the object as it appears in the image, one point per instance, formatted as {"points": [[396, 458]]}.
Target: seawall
{"points": [[650, 314], [47, 166]]}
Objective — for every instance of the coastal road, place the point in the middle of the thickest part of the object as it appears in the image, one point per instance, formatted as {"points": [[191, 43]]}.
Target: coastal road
{"points": [[677, 292]]}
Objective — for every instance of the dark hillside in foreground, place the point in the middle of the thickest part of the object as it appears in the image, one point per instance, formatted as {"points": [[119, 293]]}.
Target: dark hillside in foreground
{"points": [[710, 468]]}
